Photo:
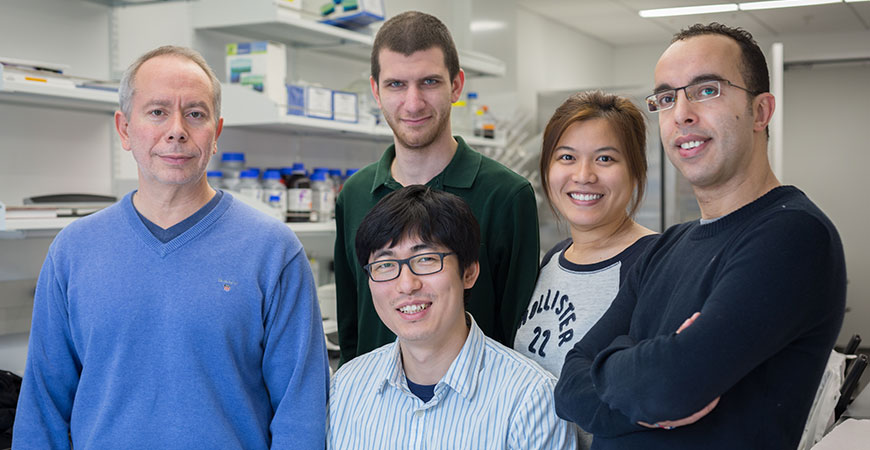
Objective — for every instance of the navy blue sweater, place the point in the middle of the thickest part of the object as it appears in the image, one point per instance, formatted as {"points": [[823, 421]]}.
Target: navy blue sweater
{"points": [[770, 283]]}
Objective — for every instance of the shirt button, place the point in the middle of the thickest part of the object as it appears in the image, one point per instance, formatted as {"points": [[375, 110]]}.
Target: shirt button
{"points": [[419, 413]]}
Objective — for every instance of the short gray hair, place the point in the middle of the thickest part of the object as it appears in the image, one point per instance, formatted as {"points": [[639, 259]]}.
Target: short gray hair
{"points": [[126, 90]]}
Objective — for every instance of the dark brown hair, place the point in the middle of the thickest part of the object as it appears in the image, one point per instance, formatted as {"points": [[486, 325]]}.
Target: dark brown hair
{"points": [[624, 118], [753, 66], [411, 32]]}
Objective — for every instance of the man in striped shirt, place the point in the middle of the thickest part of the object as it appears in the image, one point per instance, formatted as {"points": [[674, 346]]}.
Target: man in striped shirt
{"points": [[442, 383]]}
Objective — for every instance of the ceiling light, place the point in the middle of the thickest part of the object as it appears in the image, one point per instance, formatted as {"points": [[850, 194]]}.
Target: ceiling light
{"points": [[688, 10], [751, 6], [486, 25]]}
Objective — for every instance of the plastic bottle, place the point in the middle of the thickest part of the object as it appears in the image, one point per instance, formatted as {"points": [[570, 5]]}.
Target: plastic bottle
{"points": [[274, 191], [487, 123], [460, 118], [322, 195], [337, 181], [298, 195], [474, 115], [214, 178], [232, 165], [249, 185]]}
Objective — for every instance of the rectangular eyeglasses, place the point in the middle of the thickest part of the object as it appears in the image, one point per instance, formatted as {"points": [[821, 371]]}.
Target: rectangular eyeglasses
{"points": [[422, 264], [700, 91]]}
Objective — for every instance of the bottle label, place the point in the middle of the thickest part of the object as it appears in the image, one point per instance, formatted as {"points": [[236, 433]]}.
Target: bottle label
{"points": [[253, 192], [299, 200], [276, 198]]}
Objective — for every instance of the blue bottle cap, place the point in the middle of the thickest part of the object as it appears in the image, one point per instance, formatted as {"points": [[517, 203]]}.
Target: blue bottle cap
{"points": [[318, 175], [248, 174], [214, 173], [233, 157], [272, 175]]}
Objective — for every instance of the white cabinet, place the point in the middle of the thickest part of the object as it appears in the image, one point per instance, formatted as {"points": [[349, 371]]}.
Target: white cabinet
{"points": [[264, 20]]}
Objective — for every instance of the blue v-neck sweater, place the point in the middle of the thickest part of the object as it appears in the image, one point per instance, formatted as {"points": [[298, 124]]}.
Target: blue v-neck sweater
{"points": [[211, 340]]}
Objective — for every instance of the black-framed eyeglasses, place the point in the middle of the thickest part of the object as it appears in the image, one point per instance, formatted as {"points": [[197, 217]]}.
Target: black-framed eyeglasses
{"points": [[422, 264], [700, 91]]}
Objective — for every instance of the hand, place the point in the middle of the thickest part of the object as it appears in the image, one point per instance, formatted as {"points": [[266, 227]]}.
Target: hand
{"points": [[671, 424], [688, 322]]}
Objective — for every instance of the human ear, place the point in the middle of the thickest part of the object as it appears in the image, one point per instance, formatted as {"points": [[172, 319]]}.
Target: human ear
{"points": [[121, 124], [762, 110], [469, 277]]}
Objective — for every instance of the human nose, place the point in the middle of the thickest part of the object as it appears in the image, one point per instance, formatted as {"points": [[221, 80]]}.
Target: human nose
{"points": [[414, 99], [407, 282], [177, 129], [585, 173], [684, 110]]}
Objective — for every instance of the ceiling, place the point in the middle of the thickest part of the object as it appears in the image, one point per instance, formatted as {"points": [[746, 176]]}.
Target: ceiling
{"points": [[617, 22]]}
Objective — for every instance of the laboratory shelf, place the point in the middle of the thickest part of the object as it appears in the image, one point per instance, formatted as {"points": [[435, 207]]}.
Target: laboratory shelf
{"points": [[263, 20], [130, 2], [245, 108], [75, 98], [34, 228]]}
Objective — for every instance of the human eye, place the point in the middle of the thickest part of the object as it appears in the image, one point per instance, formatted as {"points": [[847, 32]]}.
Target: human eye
{"points": [[384, 266], [426, 259], [394, 84], [705, 89], [564, 157], [430, 82], [605, 158], [666, 98], [156, 113]]}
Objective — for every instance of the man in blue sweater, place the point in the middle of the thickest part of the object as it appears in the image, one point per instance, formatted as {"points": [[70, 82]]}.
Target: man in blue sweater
{"points": [[719, 335], [178, 317]]}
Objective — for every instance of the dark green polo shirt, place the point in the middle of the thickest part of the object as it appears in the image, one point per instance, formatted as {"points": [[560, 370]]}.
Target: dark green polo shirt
{"points": [[504, 205]]}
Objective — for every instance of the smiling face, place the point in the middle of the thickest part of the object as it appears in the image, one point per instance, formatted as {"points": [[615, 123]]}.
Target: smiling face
{"points": [[589, 180], [424, 310], [710, 143], [415, 94], [171, 130]]}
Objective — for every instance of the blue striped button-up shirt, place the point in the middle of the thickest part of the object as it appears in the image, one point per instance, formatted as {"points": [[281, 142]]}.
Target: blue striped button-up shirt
{"points": [[490, 398]]}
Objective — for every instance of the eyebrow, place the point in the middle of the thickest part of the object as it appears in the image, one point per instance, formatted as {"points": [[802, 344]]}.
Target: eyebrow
{"points": [[389, 251], [165, 103], [597, 150], [703, 77], [433, 76]]}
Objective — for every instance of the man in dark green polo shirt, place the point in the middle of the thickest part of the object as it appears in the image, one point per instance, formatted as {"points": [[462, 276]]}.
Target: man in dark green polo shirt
{"points": [[415, 79]]}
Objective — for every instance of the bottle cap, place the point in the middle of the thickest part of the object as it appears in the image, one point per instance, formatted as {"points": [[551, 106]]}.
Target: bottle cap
{"points": [[233, 157], [214, 173], [272, 175]]}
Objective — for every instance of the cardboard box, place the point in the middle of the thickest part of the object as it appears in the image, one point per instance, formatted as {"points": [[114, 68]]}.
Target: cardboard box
{"points": [[355, 13], [318, 102], [261, 65], [295, 100], [345, 107]]}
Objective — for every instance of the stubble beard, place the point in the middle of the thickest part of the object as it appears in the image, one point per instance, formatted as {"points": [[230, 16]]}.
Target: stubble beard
{"points": [[424, 140]]}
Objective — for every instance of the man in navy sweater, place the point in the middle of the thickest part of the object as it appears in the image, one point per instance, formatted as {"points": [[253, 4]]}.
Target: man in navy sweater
{"points": [[178, 317], [719, 336]]}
